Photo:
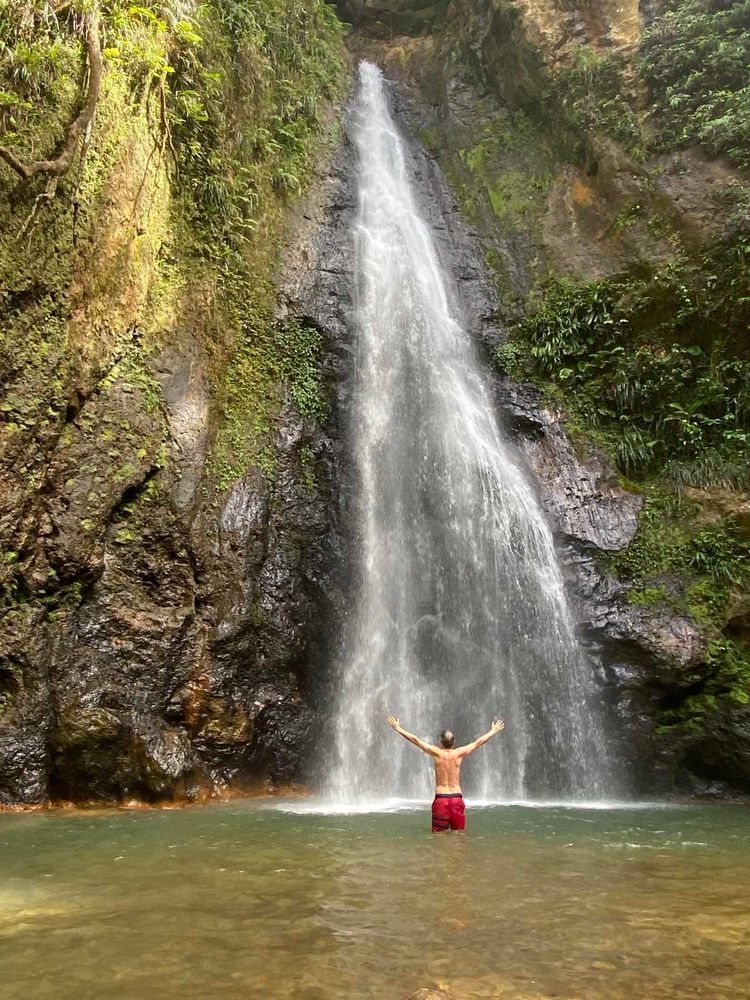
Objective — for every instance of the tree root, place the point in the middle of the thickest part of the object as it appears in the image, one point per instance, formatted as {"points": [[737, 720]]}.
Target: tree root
{"points": [[47, 195], [57, 167]]}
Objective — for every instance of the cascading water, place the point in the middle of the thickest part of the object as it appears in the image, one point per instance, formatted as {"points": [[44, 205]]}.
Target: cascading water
{"points": [[459, 612]]}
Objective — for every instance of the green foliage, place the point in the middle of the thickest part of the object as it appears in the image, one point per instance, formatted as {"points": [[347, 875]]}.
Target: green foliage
{"points": [[728, 686], [241, 85], [722, 553], [503, 169], [39, 55], [661, 546], [695, 58], [646, 597], [271, 356], [510, 356], [246, 116], [130, 366], [591, 93], [298, 353], [570, 322], [168, 221], [246, 95], [713, 467], [732, 665], [307, 469], [649, 365], [234, 93], [710, 563], [707, 601]]}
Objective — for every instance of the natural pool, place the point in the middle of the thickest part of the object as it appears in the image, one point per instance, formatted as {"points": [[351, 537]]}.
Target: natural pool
{"points": [[247, 900]]}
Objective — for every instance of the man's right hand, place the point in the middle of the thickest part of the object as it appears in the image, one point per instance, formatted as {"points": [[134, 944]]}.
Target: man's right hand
{"points": [[498, 725]]}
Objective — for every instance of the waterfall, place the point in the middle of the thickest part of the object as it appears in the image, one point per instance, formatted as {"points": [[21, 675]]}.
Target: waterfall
{"points": [[458, 610]]}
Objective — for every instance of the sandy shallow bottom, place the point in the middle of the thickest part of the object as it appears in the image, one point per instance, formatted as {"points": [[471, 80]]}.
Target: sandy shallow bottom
{"points": [[280, 899]]}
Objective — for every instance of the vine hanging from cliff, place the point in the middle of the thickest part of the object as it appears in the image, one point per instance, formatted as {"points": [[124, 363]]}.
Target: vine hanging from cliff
{"points": [[58, 165]]}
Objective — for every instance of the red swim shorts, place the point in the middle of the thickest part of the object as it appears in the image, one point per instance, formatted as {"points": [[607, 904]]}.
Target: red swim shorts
{"points": [[448, 813]]}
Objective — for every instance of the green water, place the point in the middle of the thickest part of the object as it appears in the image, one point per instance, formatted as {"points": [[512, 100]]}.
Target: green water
{"points": [[243, 900]]}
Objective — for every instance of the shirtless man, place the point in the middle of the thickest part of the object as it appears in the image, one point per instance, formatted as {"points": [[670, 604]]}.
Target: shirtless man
{"points": [[448, 805]]}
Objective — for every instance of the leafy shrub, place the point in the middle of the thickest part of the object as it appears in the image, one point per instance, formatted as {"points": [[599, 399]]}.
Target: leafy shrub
{"points": [[721, 553], [662, 545], [571, 321], [299, 348], [649, 365], [695, 58], [592, 96]]}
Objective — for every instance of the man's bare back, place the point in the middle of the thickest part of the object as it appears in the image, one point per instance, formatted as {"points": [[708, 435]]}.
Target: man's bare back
{"points": [[448, 770], [447, 760]]}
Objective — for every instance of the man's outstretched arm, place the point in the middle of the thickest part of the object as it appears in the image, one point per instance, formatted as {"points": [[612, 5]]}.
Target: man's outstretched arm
{"points": [[426, 747], [497, 727]]}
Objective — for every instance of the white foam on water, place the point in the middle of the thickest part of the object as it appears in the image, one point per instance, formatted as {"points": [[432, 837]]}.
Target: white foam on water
{"points": [[325, 807], [321, 807]]}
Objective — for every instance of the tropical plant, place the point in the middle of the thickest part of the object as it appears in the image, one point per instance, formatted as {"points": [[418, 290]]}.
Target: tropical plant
{"points": [[695, 57]]}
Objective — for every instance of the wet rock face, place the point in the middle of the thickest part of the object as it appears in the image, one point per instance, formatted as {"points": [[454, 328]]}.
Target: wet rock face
{"points": [[582, 497], [387, 16], [172, 636], [24, 685], [724, 749]]}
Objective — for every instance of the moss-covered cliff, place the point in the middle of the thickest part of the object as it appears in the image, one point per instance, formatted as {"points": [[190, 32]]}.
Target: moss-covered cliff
{"points": [[161, 429], [599, 150]]}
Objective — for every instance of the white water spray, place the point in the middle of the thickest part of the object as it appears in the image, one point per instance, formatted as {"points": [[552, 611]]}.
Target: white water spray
{"points": [[459, 612]]}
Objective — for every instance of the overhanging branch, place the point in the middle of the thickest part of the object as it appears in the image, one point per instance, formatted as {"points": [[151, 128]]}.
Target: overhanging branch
{"points": [[57, 167]]}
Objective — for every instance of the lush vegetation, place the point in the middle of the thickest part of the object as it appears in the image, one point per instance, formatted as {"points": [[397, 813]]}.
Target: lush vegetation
{"points": [[657, 367], [695, 58], [239, 85], [218, 110], [271, 359], [698, 567], [590, 91]]}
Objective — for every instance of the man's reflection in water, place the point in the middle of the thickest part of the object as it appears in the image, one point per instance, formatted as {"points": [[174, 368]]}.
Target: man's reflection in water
{"points": [[456, 910]]}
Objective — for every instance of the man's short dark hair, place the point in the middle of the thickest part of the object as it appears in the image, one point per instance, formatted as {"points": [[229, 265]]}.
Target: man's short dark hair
{"points": [[447, 739]]}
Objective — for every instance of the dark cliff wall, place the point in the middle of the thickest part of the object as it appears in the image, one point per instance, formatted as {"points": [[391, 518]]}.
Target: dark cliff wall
{"points": [[167, 465]]}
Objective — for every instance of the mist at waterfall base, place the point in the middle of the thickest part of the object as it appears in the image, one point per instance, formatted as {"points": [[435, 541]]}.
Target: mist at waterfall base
{"points": [[458, 611]]}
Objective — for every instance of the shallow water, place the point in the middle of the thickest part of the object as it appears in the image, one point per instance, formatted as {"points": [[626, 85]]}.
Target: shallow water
{"points": [[248, 900]]}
